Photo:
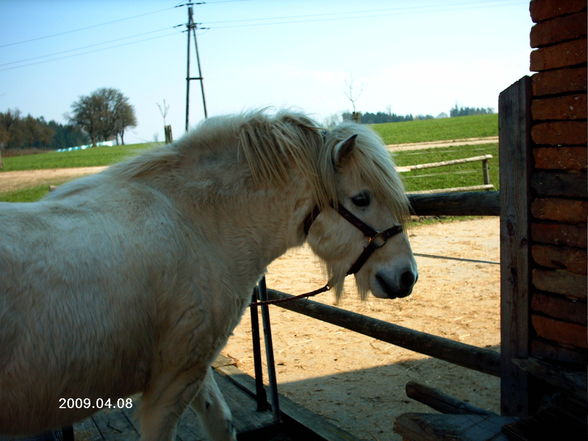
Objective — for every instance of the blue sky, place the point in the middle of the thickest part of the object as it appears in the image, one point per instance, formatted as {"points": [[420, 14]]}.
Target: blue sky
{"points": [[419, 57]]}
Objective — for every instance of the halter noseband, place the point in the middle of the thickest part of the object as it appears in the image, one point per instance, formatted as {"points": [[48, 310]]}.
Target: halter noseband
{"points": [[376, 239]]}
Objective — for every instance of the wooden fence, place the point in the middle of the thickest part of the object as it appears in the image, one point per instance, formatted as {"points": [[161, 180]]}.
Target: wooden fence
{"points": [[472, 357], [485, 173]]}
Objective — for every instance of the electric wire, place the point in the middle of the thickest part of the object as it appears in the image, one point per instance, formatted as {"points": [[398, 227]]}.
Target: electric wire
{"points": [[71, 31]]}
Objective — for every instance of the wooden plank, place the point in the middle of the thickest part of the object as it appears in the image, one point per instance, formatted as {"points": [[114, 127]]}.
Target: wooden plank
{"points": [[455, 189], [86, 430], [408, 168], [552, 352], [291, 410], [515, 165], [243, 406], [114, 425], [435, 427], [471, 357], [473, 203], [440, 401], [573, 382]]}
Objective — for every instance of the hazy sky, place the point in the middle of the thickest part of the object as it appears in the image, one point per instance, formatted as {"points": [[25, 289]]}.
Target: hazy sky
{"points": [[419, 56]]}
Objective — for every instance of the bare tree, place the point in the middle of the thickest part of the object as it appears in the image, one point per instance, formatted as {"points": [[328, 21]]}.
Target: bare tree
{"points": [[353, 94], [167, 130], [163, 108]]}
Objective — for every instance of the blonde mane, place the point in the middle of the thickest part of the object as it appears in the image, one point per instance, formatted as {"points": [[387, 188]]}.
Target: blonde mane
{"points": [[273, 146]]}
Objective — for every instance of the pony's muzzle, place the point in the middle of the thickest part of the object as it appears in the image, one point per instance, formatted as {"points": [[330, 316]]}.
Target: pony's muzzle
{"points": [[397, 287]]}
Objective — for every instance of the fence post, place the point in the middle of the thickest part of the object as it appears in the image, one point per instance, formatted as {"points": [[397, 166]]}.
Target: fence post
{"points": [[486, 171], [515, 162], [168, 134]]}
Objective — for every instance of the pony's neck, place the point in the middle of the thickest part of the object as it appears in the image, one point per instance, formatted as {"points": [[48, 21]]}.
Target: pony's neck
{"points": [[253, 229]]}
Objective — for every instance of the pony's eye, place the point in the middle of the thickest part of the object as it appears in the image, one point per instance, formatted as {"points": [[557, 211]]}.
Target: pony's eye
{"points": [[362, 199]]}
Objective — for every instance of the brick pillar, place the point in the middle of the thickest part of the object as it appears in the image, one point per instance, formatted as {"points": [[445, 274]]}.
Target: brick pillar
{"points": [[559, 206]]}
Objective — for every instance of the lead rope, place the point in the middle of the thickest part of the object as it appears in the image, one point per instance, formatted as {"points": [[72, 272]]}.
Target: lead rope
{"points": [[325, 288]]}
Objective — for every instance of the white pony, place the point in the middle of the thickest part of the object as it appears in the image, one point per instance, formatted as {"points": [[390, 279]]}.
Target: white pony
{"points": [[131, 280]]}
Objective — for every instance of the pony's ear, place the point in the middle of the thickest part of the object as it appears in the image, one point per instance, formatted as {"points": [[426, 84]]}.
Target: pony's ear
{"points": [[343, 151]]}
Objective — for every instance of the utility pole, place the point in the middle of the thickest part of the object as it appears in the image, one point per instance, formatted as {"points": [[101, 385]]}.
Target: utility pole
{"points": [[191, 31]]}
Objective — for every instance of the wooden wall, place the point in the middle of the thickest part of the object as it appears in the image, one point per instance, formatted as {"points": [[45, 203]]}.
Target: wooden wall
{"points": [[558, 202]]}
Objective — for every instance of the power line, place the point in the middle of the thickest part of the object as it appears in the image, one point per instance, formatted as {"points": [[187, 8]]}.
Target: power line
{"points": [[352, 15], [89, 52], [52, 54], [71, 31]]}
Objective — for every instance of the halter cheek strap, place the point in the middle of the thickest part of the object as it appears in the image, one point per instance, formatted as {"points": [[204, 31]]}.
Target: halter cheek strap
{"points": [[376, 239]]}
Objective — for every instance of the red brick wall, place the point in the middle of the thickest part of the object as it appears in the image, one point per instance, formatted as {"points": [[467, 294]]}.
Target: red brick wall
{"points": [[559, 206]]}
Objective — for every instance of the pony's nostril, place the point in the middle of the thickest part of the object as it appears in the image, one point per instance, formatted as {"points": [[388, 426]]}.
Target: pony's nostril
{"points": [[407, 279]]}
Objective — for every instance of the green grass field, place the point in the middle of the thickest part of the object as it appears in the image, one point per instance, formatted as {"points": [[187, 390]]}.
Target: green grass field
{"points": [[79, 158], [392, 133], [475, 126]]}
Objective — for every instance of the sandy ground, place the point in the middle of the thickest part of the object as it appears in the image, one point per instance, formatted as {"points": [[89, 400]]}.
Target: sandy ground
{"points": [[18, 180], [357, 382]]}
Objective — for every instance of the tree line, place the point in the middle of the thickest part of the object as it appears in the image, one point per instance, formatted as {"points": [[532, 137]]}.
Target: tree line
{"points": [[466, 111], [387, 117], [101, 116], [19, 132]]}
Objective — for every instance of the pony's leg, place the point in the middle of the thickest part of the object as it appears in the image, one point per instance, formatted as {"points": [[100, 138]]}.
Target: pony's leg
{"points": [[163, 404], [213, 411]]}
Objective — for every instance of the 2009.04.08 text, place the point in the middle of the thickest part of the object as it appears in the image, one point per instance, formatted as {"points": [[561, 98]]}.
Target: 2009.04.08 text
{"points": [[95, 403]]}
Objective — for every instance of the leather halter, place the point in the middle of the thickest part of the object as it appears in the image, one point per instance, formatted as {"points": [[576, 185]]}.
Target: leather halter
{"points": [[376, 239]]}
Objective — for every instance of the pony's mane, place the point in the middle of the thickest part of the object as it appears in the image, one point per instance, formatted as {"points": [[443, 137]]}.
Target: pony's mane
{"points": [[274, 145]]}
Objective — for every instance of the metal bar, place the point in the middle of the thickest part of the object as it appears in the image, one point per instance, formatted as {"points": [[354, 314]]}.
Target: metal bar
{"points": [[260, 394], [471, 357], [269, 352]]}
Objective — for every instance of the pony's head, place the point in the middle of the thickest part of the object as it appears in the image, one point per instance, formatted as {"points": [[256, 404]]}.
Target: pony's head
{"points": [[366, 194]]}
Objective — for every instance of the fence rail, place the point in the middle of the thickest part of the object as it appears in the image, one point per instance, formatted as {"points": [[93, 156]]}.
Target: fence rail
{"points": [[485, 173], [472, 357]]}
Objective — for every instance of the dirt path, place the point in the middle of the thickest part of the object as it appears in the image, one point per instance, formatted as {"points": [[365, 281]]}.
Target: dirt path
{"points": [[358, 382], [18, 180], [439, 144]]}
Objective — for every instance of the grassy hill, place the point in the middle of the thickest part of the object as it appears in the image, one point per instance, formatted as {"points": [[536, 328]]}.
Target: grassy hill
{"points": [[475, 126]]}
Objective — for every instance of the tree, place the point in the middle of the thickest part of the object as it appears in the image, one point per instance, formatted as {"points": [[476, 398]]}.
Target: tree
{"points": [[104, 115], [353, 95]]}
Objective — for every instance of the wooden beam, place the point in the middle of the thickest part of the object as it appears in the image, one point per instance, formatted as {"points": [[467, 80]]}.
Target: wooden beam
{"points": [[435, 427], [572, 382], [290, 410], [455, 189], [515, 165], [407, 168], [440, 401], [456, 204], [471, 357]]}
